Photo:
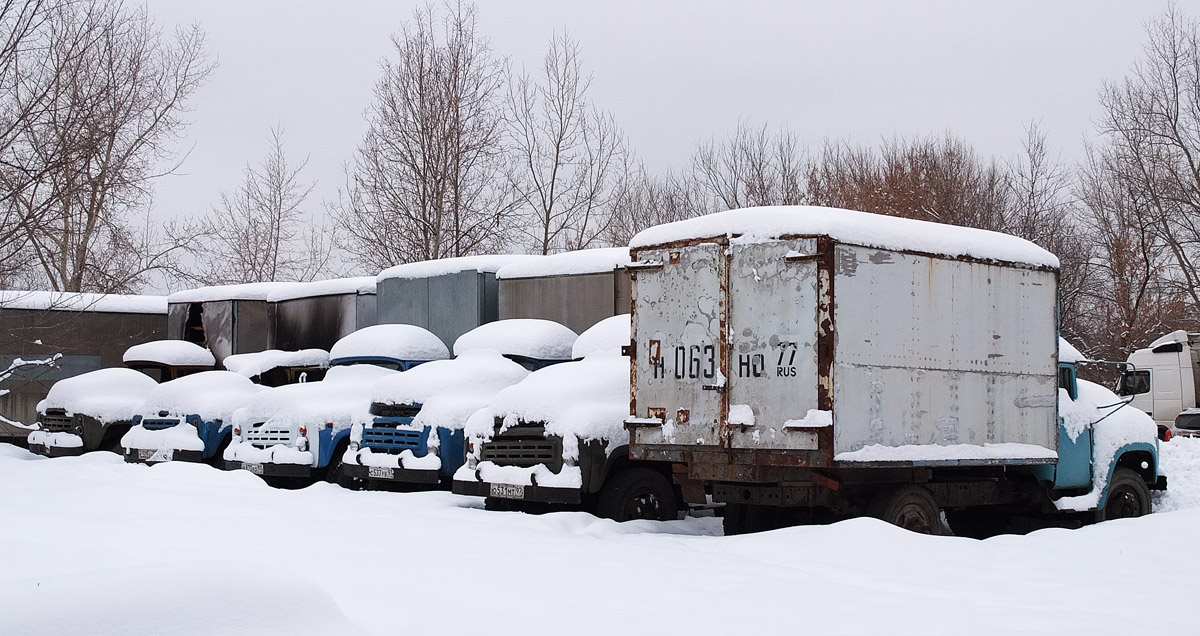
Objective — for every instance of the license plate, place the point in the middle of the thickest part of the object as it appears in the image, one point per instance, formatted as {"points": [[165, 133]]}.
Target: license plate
{"points": [[380, 472], [507, 491], [254, 468], [145, 453]]}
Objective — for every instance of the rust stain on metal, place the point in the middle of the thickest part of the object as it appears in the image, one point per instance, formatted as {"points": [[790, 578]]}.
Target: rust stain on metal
{"points": [[825, 325], [657, 411], [674, 258], [682, 417], [824, 480], [724, 346], [655, 352]]}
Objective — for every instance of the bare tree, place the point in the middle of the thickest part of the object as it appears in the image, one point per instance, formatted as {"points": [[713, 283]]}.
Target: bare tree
{"points": [[641, 200], [260, 232], [569, 154], [753, 167], [104, 95], [426, 181]]}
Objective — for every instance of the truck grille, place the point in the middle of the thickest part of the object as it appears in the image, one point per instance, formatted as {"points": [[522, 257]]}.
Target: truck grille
{"points": [[524, 445], [158, 424], [389, 439], [262, 437], [57, 421], [380, 409]]}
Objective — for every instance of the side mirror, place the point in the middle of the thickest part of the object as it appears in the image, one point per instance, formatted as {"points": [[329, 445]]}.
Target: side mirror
{"points": [[1135, 382]]}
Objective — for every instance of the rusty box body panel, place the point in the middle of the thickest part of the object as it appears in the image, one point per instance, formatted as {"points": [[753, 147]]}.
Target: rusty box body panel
{"points": [[772, 355]]}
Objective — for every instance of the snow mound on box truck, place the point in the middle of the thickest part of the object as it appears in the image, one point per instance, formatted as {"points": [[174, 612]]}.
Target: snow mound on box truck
{"points": [[177, 353], [213, 395], [340, 399], [398, 342], [109, 395], [450, 390], [607, 336], [529, 337], [258, 363]]}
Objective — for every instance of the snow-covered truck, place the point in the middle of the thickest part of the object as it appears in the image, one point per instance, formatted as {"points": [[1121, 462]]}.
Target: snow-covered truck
{"points": [[414, 434], [187, 419], [1164, 379], [94, 410], [805, 363], [303, 430], [556, 439]]}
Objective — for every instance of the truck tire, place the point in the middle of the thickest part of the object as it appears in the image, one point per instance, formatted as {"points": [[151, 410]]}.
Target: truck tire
{"points": [[637, 493], [1128, 496], [910, 507], [976, 523]]}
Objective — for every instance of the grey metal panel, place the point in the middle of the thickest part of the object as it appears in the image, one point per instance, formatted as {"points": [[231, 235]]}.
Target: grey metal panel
{"points": [[680, 313], [623, 293], [177, 315], [251, 326], [314, 322], [449, 305], [940, 351], [575, 300], [218, 328], [402, 300], [773, 326], [365, 311]]}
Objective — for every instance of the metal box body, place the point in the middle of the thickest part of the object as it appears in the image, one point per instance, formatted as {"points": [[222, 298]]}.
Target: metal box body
{"points": [[316, 322], [785, 336], [449, 304], [575, 300]]}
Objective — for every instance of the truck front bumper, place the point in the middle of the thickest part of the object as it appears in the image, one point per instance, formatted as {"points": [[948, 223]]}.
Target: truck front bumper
{"points": [[385, 474], [271, 470], [56, 451], [151, 456], [538, 494]]}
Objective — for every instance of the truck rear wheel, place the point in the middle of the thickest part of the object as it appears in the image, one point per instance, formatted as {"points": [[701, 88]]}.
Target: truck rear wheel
{"points": [[910, 507], [637, 493], [979, 522], [1128, 496]]}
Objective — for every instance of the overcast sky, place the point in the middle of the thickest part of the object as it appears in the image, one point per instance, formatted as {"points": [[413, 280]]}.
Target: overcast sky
{"points": [[672, 73]]}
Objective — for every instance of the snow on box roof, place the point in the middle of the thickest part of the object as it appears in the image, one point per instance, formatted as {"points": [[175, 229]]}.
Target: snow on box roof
{"points": [[213, 395], [850, 226], [593, 261], [109, 395], [333, 286], [605, 337], [72, 301], [1067, 353], [252, 364], [398, 342], [529, 337], [178, 353], [244, 291], [438, 267]]}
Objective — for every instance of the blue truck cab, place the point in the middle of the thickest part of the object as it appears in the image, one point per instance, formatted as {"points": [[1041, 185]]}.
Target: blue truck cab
{"points": [[302, 430], [414, 432]]}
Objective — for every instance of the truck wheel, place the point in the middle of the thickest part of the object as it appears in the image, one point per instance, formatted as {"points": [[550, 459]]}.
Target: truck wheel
{"points": [[976, 523], [1128, 496], [910, 507], [637, 493]]}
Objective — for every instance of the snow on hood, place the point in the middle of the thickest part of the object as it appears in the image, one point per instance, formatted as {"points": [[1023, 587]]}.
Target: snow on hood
{"points": [[333, 286], [438, 267], [588, 399], [258, 363], [109, 395], [177, 353], [608, 335], [213, 395], [243, 291], [450, 390], [1114, 425], [529, 337], [594, 261], [1067, 353], [399, 342], [71, 301], [849, 226], [342, 398]]}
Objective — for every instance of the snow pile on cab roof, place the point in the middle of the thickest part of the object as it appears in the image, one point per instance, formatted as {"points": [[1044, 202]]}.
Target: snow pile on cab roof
{"points": [[592, 261], [1067, 353], [853, 227], [213, 395], [333, 286], [438, 267], [529, 337], [243, 291], [450, 390], [109, 395], [340, 399], [258, 363], [606, 336], [1114, 425], [178, 353], [398, 342], [71, 301], [588, 399]]}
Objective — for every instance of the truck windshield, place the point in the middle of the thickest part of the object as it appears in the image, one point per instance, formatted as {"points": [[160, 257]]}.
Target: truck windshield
{"points": [[1134, 383]]}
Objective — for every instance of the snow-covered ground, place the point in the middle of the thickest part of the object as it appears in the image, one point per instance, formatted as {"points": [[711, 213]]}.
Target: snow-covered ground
{"points": [[90, 545]]}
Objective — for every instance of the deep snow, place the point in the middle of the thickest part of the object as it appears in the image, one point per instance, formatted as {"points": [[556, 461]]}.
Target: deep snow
{"points": [[90, 545]]}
